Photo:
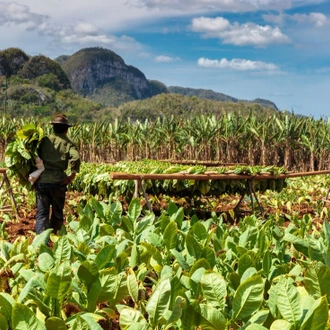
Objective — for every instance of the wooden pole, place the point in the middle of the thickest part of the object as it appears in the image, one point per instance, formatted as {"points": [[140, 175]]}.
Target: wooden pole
{"points": [[5, 180], [210, 176]]}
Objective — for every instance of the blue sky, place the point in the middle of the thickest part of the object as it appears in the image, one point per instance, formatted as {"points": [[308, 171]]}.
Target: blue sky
{"points": [[273, 49]]}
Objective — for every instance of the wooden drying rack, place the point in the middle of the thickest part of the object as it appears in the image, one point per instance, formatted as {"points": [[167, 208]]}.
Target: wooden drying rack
{"points": [[5, 180], [249, 187]]}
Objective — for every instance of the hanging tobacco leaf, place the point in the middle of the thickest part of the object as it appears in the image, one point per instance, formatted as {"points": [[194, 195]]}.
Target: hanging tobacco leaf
{"points": [[21, 153]]}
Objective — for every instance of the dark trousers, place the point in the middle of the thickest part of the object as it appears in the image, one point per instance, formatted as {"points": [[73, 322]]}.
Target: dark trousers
{"points": [[49, 195]]}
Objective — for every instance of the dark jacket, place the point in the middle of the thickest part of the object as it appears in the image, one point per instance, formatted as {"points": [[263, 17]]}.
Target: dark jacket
{"points": [[58, 153]]}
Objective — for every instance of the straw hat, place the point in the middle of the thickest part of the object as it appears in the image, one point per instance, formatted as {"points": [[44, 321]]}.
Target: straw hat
{"points": [[61, 119]]}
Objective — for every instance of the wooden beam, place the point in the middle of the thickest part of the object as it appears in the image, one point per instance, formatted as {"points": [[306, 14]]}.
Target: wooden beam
{"points": [[210, 176]]}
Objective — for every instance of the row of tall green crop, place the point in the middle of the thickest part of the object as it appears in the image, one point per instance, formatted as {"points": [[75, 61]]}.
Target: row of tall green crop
{"points": [[167, 272], [294, 142]]}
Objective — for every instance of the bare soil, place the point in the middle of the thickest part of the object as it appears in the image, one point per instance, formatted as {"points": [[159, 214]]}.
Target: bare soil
{"points": [[24, 224]]}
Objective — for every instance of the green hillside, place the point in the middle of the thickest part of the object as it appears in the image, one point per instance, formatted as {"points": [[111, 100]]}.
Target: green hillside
{"points": [[36, 86]]}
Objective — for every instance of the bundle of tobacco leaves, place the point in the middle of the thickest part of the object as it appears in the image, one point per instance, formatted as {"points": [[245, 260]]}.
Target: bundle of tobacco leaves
{"points": [[21, 153]]}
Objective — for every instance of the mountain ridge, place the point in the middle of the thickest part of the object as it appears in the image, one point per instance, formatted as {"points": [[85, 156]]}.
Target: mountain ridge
{"points": [[96, 84], [111, 67]]}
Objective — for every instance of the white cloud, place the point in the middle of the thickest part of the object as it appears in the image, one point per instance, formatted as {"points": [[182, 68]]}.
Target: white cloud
{"points": [[215, 5], [238, 34], [277, 19], [166, 59], [78, 33], [15, 13], [316, 19], [237, 64], [86, 28], [204, 6], [85, 34]]}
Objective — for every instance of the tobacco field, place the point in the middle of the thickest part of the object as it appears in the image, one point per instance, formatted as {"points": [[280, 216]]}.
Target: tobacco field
{"points": [[194, 261]]}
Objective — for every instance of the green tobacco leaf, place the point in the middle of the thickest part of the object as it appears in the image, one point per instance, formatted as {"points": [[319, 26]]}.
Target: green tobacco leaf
{"points": [[98, 207], [212, 318], [6, 305], [300, 244], [33, 283], [158, 303], [255, 327], [192, 316], [42, 238], [178, 217], [181, 260], [26, 131], [248, 297], [135, 256], [88, 272], [3, 323], [204, 186], [127, 224], [259, 317], [316, 249], [193, 247], [105, 256], [55, 323], [24, 153], [80, 324], [267, 263], [179, 304], [109, 287], [247, 260], [24, 318], [209, 255], [172, 208], [214, 289], [199, 231], [116, 211], [143, 223], [45, 262], [200, 263], [317, 280], [133, 286], [86, 320], [170, 235], [281, 325], [130, 317], [134, 209], [153, 251], [317, 316], [288, 301], [62, 250], [59, 281], [326, 230], [248, 273]]}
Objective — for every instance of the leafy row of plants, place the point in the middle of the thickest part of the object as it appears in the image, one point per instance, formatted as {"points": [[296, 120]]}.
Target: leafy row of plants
{"points": [[166, 272], [95, 179]]}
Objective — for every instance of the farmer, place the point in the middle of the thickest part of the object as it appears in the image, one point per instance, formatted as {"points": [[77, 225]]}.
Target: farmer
{"points": [[58, 153]]}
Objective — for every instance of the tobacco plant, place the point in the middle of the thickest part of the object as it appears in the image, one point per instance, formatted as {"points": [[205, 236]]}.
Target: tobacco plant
{"points": [[166, 272]]}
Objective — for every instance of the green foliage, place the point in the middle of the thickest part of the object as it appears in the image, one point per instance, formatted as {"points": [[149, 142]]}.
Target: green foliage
{"points": [[96, 179], [166, 105], [159, 273], [38, 66], [21, 153], [12, 61], [51, 81], [83, 57]]}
